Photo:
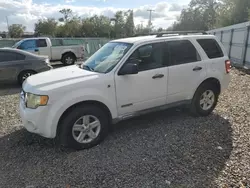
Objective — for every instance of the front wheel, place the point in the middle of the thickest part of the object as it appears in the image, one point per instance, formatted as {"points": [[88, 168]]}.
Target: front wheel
{"points": [[83, 127], [205, 100]]}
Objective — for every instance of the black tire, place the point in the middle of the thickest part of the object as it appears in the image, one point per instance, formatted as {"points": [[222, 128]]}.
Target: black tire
{"points": [[68, 56], [196, 108], [65, 135], [24, 75]]}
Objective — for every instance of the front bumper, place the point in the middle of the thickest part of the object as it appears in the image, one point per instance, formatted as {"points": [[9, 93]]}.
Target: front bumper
{"points": [[36, 120]]}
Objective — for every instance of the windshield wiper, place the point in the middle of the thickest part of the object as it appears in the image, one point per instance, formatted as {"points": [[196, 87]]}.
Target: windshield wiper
{"points": [[86, 67]]}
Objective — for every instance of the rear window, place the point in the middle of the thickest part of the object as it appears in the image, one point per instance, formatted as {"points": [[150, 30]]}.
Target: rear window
{"points": [[41, 43], [211, 47]]}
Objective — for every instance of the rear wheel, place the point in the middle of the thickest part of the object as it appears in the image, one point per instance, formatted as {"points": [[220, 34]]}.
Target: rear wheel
{"points": [[68, 59], [83, 127], [24, 75], [205, 100]]}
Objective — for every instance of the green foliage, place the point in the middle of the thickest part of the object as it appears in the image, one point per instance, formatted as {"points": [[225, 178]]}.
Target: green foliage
{"points": [[16, 30], [233, 12], [70, 25], [209, 14], [67, 15], [200, 15], [46, 27]]}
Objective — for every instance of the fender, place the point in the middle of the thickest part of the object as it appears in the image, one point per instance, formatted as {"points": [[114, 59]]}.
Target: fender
{"points": [[76, 96]]}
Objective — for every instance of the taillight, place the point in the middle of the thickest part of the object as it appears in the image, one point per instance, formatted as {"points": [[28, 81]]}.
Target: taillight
{"points": [[228, 66]]}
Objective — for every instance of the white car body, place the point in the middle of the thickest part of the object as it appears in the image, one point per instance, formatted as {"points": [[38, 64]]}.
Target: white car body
{"points": [[54, 53], [124, 96]]}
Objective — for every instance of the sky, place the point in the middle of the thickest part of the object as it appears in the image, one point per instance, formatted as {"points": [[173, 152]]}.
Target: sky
{"points": [[27, 12]]}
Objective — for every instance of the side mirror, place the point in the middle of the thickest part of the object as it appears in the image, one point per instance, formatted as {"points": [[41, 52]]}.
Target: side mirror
{"points": [[19, 47], [129, 68]]}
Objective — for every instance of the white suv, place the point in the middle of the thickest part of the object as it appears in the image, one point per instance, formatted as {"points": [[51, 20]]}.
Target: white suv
{"points": [[123, 79]]}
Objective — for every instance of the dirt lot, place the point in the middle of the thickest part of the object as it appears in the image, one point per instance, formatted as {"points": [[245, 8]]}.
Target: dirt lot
{"points": [[166, 149]]}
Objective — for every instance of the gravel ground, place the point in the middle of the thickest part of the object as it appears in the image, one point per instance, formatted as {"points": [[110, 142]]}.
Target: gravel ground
{"points": [[166, 149]]}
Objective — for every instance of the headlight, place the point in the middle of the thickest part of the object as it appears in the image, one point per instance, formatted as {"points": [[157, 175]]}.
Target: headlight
{"points": [[47, 61], [33, 100]]}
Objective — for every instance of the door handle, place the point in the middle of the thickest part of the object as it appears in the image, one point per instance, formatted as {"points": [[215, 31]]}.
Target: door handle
{"points": [[36, 50], [158, 76], [197, 68]]}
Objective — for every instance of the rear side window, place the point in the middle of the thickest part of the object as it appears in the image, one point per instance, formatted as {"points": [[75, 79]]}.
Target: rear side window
{"points": [[180, 52], [211, 47], [41, 43], [11, 56]]}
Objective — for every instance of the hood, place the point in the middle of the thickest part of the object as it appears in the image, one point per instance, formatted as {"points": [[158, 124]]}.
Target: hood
{"points": [[58, 78]]}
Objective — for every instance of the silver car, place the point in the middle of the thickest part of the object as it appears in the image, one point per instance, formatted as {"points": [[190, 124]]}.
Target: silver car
{"points": [[17, 65]]}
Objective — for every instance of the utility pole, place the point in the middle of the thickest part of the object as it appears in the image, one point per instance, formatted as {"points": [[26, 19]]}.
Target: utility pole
{"points": [[142, 25], [150, 18], [7, 21]]}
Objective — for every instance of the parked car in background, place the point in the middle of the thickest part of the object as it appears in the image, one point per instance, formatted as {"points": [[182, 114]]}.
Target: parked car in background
{"points": [[125, 78], [68, 55], [17, 65]]}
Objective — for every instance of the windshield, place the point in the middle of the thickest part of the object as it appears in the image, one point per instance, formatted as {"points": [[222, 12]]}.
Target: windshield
{"points": [[17, 44], [107, 57]]}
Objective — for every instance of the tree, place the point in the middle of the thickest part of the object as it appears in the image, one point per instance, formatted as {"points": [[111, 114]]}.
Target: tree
{"points": [[67, 15], [46, 27], [160, 29], [119, 25], [233, 12], [190, 19], [16, 30], [129, 23], [208, 10]]}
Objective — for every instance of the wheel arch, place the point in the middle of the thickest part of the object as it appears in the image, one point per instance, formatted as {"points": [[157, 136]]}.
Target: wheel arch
{"points": [[211, 80], [24, 70], [87, 102], [68, 52]]}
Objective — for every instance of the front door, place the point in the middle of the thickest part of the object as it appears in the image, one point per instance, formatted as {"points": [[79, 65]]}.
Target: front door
{"points": [[29, 45], [186, 70], [146, 89]]}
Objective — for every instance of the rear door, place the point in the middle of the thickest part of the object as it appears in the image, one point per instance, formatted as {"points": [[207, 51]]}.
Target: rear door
{"points": [[215, 56], [10, 64], [186, 70]]}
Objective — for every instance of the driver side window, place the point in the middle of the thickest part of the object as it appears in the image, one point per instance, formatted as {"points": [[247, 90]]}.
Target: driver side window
{"points": [[28, 45], [149, 56]]}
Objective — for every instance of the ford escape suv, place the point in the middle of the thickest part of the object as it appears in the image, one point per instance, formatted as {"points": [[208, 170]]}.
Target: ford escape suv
{"points": [[125, 78]]}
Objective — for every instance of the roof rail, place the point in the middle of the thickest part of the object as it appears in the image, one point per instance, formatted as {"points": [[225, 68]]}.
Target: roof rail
{"points": [[179, 33]]}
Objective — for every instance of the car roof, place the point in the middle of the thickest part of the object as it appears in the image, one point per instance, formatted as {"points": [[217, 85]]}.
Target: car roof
{"points": [[19, 51], [140, 39], [34, 38]]}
